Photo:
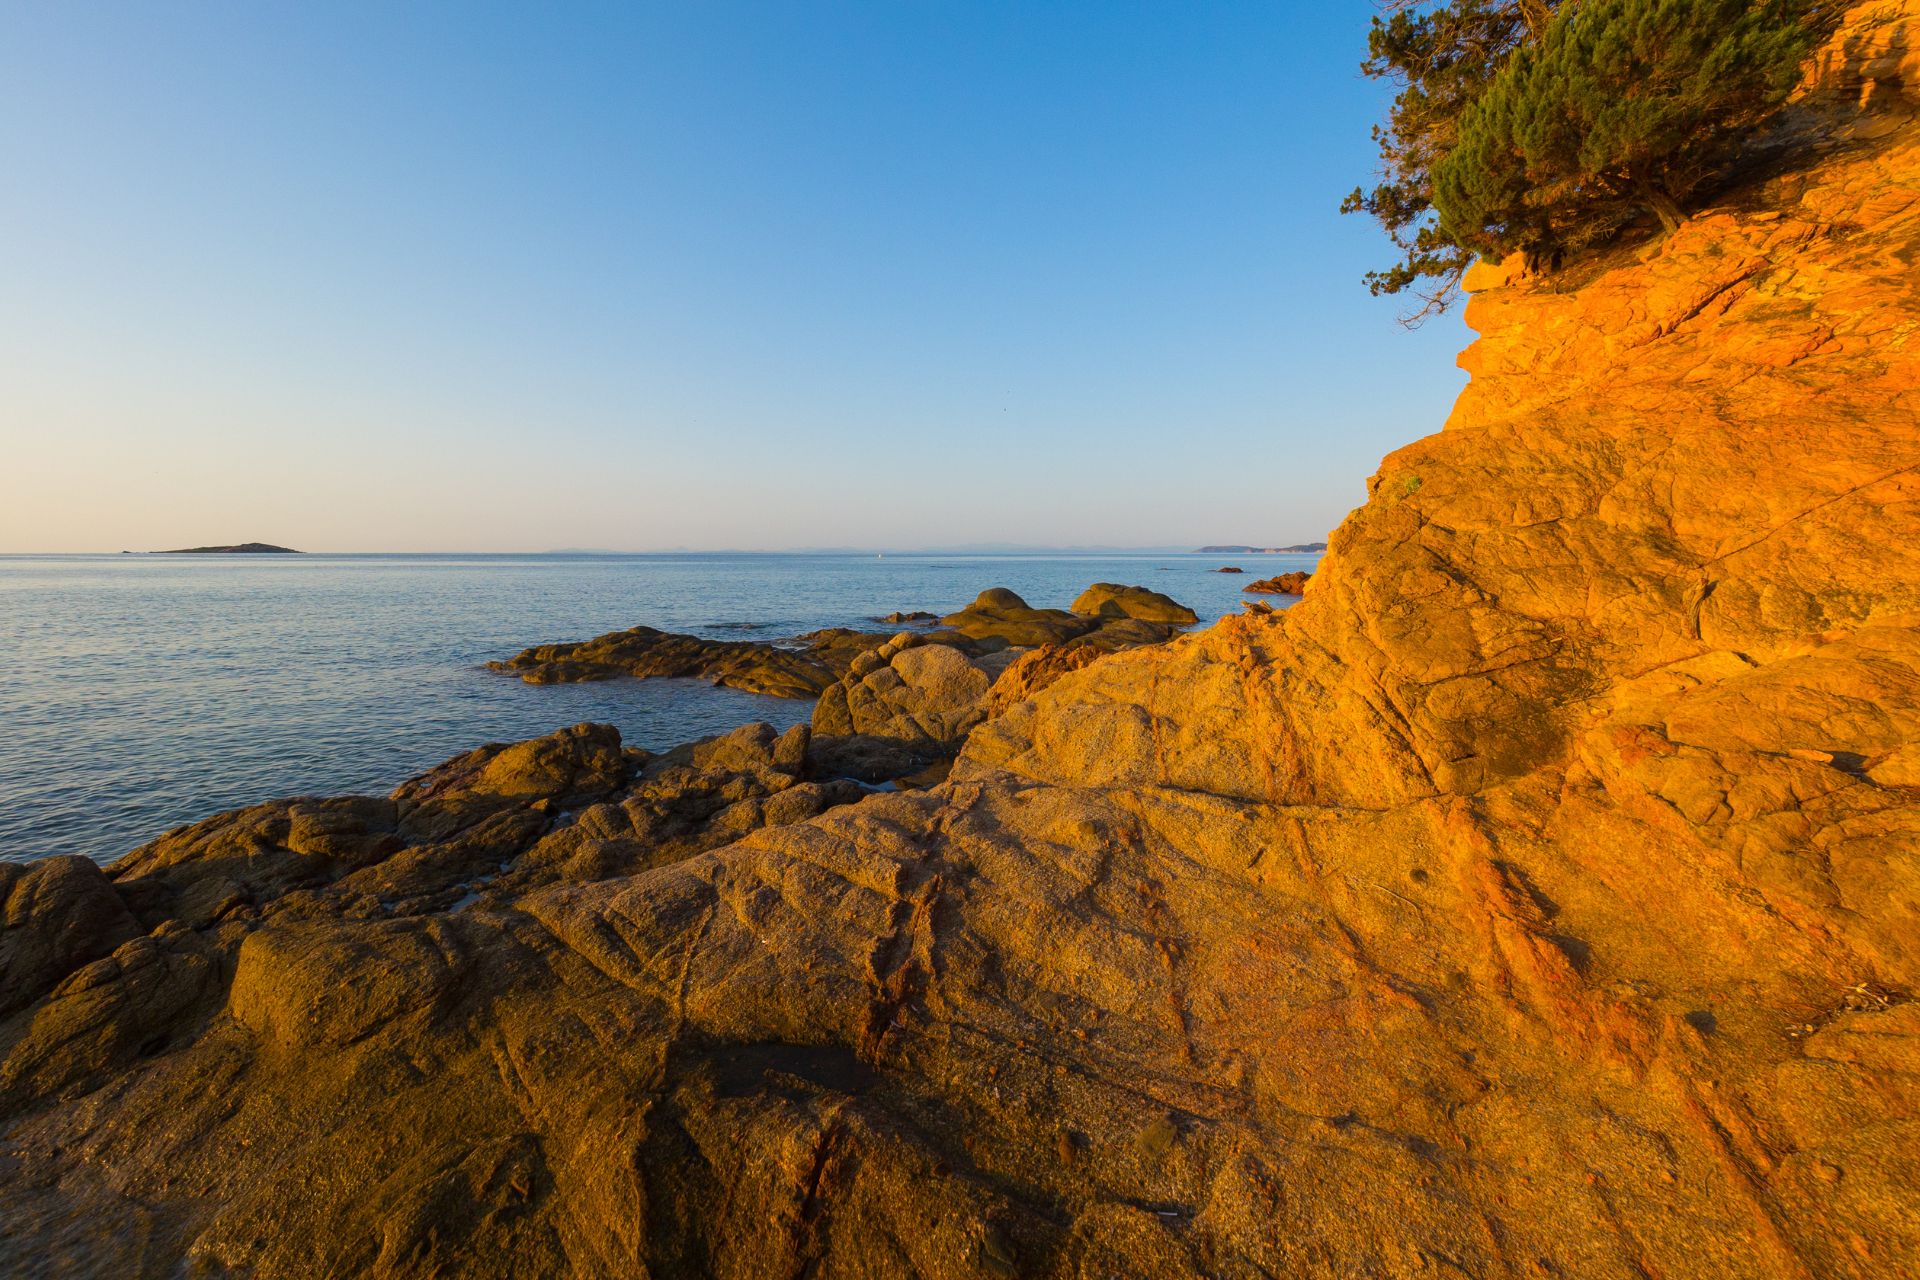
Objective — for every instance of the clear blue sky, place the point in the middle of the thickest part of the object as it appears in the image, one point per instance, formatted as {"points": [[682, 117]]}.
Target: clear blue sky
{"points": [[401, 277]]}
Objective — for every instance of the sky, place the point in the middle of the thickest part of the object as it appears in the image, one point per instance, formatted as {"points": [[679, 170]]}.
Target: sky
{"points": [[709, 275]]}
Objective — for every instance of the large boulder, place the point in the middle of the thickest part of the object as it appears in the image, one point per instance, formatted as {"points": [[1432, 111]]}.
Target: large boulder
{"points": [[912, 690], [904, 705]]}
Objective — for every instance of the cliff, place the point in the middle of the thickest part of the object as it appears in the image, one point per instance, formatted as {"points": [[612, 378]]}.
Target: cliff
{"points": [[1535, 898]]}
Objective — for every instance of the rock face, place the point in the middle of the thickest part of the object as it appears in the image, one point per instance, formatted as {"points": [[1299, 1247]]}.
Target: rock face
{"points": [[1283, 584], [1034, 670], [55, 915], [1534, 898], [802, 671]]}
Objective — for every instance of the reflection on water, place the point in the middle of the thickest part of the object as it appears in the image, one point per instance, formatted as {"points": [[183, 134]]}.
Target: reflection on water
{"points": [[145, 692]]}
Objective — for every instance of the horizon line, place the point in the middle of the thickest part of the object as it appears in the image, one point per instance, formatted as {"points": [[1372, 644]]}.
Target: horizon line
{"points": [[982, 549]]}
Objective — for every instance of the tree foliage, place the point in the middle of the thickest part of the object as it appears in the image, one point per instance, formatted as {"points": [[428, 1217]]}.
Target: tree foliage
{"points": [[1623, 106], [1546, 125], [1442, 57]]}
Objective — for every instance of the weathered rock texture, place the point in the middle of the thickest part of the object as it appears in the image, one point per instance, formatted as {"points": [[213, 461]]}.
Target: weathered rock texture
{"points": [[1535, 898], [914, 691], [912, 702]]}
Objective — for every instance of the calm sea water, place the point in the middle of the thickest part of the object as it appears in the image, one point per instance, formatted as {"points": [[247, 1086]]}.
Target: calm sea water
{"points": [[141, 693]]}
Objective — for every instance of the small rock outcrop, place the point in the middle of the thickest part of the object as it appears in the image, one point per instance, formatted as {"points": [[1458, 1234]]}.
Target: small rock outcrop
{"points": [[1109, 616], [910, 703], [1283, 584], [1000, 614], [802, 670], [1109, 600]]}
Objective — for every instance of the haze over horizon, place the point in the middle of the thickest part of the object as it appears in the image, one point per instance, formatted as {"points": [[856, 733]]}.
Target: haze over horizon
{"points": [[726, 276]]}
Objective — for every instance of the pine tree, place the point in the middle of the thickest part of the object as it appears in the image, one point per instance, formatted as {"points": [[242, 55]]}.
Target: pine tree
{"points": [[1623, 106], [1442, 57]]}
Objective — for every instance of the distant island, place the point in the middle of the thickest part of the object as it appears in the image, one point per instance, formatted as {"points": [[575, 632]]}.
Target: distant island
{"points": [[1263, 551], [242, 548]]}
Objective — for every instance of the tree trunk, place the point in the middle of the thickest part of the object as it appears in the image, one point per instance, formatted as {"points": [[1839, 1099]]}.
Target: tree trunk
{"points": [[1664, 206]]}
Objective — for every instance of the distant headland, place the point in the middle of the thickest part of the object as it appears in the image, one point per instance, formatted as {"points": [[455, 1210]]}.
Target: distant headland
{"points": [[240, 548], [1263, 551]]}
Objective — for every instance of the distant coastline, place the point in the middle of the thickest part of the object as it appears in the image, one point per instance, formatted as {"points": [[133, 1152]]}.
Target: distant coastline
{"points": [[238, 549], [1303, 548]]}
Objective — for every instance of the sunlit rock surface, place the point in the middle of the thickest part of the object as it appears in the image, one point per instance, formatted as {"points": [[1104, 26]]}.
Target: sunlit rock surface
{"points": [[1538, 897]]}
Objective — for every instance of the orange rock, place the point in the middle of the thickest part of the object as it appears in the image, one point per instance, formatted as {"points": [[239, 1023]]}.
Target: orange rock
{"points": [[1536, 896], [1284, 584]]}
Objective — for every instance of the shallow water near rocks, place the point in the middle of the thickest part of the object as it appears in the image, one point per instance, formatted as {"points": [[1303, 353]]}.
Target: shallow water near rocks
{"points": [[144, 692]]}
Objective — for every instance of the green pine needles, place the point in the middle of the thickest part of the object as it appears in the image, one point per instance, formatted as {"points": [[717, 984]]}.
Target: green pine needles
{"points": [[1546, 129]]}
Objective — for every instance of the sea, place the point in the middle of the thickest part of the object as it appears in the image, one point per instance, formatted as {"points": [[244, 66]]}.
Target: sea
{"points": [[143, 692]]}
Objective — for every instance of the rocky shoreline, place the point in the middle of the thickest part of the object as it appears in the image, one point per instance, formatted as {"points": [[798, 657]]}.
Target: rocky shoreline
{"points": [[888, 706], [1107, 616], [1536, 897]]}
